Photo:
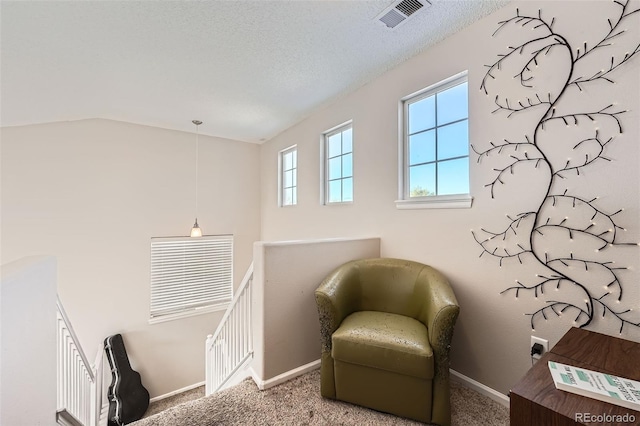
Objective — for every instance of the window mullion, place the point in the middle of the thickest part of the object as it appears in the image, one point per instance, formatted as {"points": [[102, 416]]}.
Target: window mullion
{"points": [[436, 143], [407, 153]]}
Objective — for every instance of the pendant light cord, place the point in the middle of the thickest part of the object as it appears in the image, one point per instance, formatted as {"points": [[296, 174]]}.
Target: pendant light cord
{"points": [[195, 230], [197, 155]]}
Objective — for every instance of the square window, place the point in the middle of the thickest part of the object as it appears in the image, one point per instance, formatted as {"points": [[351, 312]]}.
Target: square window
{"points": [[335, 145], [453, 104], [422, 115], [347, 141], [335, 168], [453, 176], [453, 140], [422, 148], [422, 180], [347, 189], [347, 165], [335, 191]]}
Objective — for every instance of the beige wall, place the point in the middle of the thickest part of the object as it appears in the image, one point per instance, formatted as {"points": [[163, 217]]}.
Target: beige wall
{"points": [[285, 314], [491, 342], [92, 193]]}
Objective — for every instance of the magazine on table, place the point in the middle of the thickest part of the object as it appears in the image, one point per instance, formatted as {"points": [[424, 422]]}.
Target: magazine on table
{"points": [[604, 387]]}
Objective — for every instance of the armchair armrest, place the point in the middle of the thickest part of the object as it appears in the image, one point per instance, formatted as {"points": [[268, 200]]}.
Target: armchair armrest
{"points": [[440, 307], [439, 313], [336, 298]]}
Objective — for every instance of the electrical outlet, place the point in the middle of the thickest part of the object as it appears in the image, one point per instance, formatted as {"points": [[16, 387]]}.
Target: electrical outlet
{"points": [[543, 342]]}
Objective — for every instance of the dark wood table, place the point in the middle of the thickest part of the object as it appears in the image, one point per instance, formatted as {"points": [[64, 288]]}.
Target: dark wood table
{"points": [[535, 401]]}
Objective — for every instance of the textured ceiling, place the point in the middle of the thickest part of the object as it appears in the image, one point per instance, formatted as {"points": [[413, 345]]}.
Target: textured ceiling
{"points": [[247, 69]]}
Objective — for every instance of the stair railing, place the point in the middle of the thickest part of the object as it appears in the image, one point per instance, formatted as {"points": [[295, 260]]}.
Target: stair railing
{"points": [[77, 391], [231, 346], [99, 389]]}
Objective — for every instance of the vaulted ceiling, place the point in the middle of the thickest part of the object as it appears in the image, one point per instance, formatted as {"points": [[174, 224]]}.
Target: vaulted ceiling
{"points": [[247, 69]]}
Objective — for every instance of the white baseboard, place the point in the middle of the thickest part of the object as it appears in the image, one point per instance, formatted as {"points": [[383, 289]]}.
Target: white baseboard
{"points": [[286, 376], [455, 376], [175, 392], [480, 388]]}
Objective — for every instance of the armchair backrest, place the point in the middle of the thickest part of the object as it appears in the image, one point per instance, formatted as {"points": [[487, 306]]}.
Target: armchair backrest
{"points": [[388, 285]]}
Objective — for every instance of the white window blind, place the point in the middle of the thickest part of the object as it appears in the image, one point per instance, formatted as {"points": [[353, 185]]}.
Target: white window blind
{"points": [[190, 275]]}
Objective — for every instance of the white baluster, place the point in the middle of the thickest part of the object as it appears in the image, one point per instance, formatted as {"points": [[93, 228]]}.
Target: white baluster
{"points": [[231, 344], [76, 380]]}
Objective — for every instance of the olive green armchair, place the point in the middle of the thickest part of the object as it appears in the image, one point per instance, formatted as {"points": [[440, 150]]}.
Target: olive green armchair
{"points": [[386, 328]]}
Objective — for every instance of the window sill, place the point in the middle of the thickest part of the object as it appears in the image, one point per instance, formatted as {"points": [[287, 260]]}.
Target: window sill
{"points": [[462, 201], [189, 313], [339, 203]]}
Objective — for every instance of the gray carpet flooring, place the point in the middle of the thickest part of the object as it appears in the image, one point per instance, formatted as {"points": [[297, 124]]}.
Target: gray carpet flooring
{"points": [[298, 402]]}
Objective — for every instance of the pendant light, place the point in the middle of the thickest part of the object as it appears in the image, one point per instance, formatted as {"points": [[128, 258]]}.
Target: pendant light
{"points": [[196, 231]]}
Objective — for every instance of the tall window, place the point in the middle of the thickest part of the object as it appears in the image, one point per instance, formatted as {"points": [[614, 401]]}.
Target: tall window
{"points": [[190, 276], [436, 142], [338, 165], [288, 176]]}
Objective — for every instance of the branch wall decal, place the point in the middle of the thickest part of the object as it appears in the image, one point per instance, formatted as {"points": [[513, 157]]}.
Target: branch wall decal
{"points": [[569, 237]]}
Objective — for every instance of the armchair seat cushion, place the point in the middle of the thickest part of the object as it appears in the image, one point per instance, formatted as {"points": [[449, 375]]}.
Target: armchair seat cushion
{"points": [[384, 341]]}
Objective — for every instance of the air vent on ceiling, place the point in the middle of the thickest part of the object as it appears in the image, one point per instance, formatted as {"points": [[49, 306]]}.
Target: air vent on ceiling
{"points": [[399, 11]]}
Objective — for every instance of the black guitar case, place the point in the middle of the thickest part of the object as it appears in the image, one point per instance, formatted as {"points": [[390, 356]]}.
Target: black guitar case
{"points": [[128, 399]]}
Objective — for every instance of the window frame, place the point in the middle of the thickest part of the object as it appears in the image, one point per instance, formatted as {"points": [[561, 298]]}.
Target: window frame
{"points": [[281, 176], [324, 166], [220, 289], [405, 201]]}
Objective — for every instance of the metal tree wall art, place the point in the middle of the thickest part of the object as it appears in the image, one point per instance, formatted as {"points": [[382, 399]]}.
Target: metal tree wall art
{"points": [[571, 238]]}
